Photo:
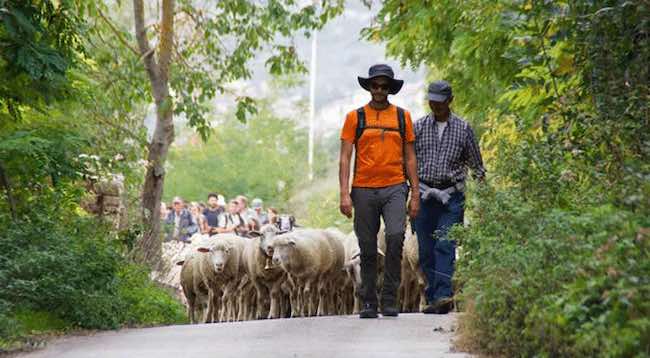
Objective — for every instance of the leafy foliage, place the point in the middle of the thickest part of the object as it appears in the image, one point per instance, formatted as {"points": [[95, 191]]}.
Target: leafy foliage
{"points": [[39, 40], [74, 271], [554, 259], [264, 157]]}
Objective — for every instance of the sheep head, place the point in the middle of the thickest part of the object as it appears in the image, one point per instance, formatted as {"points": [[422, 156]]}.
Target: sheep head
{"points": [[282, 248], [219, 254]]}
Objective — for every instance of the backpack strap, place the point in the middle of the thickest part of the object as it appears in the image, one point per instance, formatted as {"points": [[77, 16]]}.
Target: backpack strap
{"points": [[401, 124], [361, 124]]}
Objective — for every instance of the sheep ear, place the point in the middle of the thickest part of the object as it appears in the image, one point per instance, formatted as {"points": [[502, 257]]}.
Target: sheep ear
{"points": [[292, 242], [203, 249], [254, 234]]}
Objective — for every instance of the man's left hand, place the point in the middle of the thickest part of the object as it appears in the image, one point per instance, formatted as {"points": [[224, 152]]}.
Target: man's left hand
{"points": [[414, 206]]}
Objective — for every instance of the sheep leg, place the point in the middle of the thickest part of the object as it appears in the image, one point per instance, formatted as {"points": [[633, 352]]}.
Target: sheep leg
{"points": [[276, 292], [259, 301], [405, 295], [211, 306], [227, 301], [312, 296], [218, 307], [190, 311], [244, 303], [283, 304], [357, 299], [191, 299], [321, 293], [294, 300]]}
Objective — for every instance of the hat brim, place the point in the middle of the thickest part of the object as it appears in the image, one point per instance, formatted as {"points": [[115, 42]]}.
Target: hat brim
{"points": [[395, 85], [437, 97]]}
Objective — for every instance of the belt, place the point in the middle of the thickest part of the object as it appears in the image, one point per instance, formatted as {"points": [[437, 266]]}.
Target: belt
{"points": [[442, 186]]}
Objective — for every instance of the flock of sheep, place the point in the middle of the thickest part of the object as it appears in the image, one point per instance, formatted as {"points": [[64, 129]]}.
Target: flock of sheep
{"points": [[273, 274]]}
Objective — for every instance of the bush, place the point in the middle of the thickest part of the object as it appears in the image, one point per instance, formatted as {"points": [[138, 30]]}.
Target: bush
{"points": [[565, 283], [145, 303], [74, 271]]}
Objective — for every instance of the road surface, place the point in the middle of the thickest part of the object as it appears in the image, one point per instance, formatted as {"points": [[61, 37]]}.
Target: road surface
{"points": [[409, 335]]}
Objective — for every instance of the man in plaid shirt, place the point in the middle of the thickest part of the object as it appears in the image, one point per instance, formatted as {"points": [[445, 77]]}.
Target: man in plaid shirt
{"points": [[445, 146]]}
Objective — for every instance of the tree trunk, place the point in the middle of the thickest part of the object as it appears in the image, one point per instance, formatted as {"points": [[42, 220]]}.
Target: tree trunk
{"points": [[148, 248], [150, 244]]}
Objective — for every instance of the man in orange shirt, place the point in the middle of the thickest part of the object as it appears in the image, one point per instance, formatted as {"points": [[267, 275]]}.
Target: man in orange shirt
{"points": [[382, 136]]}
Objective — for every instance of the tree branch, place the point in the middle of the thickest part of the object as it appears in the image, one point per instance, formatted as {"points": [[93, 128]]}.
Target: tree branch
{"points": [[118, 33], [120, 128], [143, 43]]}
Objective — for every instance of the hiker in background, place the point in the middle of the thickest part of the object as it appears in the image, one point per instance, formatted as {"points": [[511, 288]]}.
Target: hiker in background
{"points": [[197, 216], [258, 207], [272, 214], [244, 210], [232, 220], [212, 213], [181, 221]]}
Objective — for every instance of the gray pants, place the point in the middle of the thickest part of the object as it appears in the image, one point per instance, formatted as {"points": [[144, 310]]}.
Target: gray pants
{"points": [[369, 204]]}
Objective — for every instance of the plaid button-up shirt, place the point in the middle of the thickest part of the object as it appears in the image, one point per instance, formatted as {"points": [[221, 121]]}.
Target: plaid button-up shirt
{"points": [[445, 162]]}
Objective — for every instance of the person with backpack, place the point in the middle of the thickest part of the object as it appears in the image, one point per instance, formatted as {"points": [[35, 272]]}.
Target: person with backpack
{"points": [[382, 137], [445, 146], [232, 221]]}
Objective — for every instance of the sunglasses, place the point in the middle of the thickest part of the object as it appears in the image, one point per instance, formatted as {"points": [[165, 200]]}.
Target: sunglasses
{"points": [[382, 86]]}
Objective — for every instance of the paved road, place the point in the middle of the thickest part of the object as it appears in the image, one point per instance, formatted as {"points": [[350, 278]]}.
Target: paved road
{"points": [[410, 335]]}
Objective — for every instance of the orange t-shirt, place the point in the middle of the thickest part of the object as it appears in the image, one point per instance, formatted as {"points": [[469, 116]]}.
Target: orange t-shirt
{"points": [[379, 155]]}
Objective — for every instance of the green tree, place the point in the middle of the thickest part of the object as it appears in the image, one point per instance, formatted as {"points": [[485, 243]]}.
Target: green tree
{"points": [[199, 50], [264, 157]]}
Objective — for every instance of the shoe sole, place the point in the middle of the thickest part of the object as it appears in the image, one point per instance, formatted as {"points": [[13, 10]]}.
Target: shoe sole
{"points": [[368, 314]]}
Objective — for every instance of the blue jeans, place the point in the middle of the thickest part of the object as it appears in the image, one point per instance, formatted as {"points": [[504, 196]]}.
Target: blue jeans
{"points": [[437, 255]]}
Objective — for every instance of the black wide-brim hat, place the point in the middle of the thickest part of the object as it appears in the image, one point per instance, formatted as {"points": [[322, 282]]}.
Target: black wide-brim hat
{"points": [[381, 70]]}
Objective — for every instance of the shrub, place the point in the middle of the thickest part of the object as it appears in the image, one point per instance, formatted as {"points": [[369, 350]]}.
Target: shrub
{"points": [[75, 272], [565, 283]]}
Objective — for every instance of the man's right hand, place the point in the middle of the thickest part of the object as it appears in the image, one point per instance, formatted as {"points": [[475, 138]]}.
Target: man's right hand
{"points": [[346, 205]]}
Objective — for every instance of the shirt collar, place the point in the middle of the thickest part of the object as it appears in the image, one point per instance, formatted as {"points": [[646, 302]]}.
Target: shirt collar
{"points": [[452, 117]]}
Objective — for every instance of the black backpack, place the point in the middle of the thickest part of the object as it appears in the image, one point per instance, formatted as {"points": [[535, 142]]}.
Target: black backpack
{"points": [[401, 128]]}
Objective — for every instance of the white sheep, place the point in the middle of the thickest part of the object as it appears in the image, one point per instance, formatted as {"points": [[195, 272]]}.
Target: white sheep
{"points": [[307, 257], [266, 278], [222, 271]]}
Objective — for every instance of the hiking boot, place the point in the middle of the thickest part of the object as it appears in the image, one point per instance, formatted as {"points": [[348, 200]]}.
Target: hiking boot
{"points": [[389, 311], [430, 309], [445, 305], [368, 311], [440, 306]]}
